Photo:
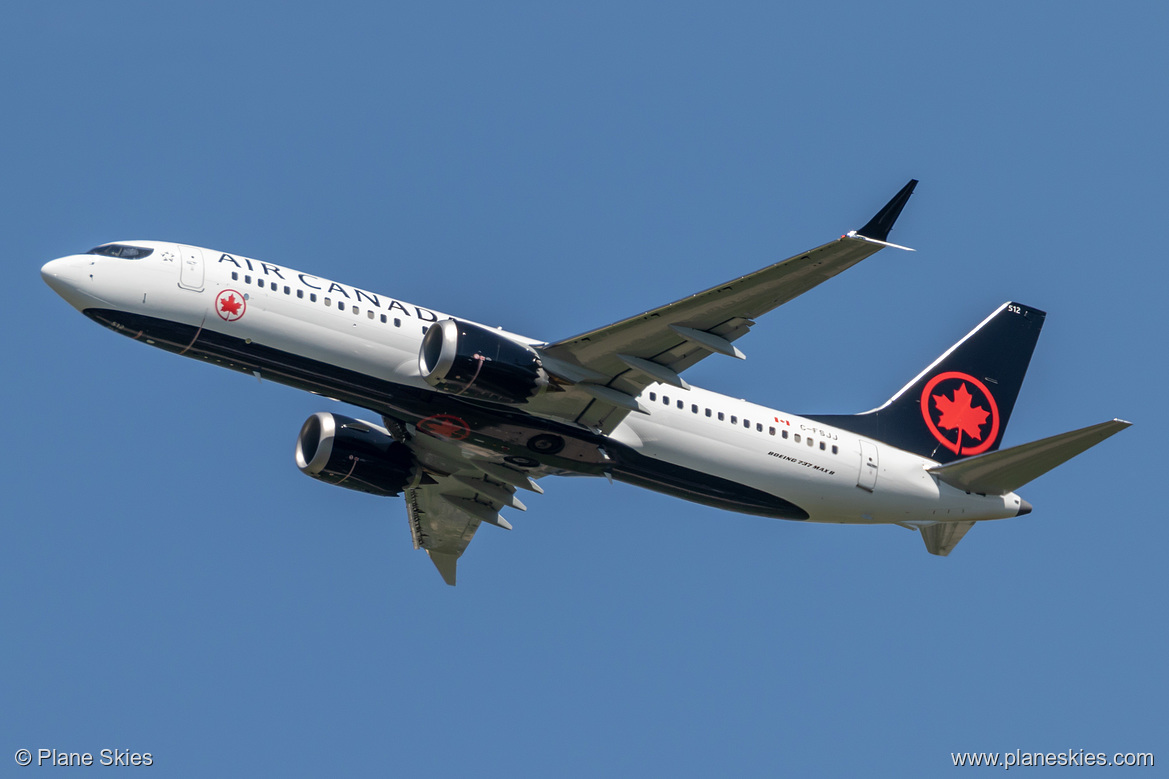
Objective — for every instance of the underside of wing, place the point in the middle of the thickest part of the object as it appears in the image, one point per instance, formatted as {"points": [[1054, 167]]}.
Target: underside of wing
{"points": [[456, 491], [443, 524], [607, 368]]}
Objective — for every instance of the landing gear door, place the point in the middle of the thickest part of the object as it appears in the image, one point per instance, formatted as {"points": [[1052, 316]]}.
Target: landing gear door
{"points": [[191, 268], [870, 465]]}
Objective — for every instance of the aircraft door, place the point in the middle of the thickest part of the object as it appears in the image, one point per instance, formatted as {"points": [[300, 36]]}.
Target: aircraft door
{"points": [[191, 268], [867, 480]]}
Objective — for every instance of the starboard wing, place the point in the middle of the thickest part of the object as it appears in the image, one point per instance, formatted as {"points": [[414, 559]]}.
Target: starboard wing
{"points": [[608, 368]]}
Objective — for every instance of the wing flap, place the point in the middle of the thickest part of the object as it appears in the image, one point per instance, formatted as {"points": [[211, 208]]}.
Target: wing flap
{"points": [[508, 475], [502, 494]]}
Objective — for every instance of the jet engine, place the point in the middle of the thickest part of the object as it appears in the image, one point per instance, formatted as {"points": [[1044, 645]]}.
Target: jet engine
{"points": [[474, 362], [353, 454]]}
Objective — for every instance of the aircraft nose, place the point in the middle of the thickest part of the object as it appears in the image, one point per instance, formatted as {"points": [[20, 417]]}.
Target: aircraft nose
{"points": [[54, 272], [1024, 508], [69, 278], [51, 269]]}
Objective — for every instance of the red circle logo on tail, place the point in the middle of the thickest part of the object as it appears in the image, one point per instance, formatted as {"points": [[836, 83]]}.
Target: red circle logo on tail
{"points": [[960, 412]]}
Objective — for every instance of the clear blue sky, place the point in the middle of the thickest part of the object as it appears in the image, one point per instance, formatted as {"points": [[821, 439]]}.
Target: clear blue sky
{"points": [[170, 583]]}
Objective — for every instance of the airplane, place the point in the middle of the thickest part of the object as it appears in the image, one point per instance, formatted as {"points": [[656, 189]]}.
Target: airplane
{"points": [[471, 415]]}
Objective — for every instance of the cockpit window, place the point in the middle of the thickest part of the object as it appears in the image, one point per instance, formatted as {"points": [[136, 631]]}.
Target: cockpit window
{"points": [[121, 250]]}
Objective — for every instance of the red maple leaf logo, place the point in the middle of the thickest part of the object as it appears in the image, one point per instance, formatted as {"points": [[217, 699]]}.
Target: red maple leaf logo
{"points": [[446, 426], [960, 414], [230, 305]]}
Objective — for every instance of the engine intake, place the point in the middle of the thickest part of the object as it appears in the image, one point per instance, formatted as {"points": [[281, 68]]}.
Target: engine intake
{"points": [[353, 454], [472, 361]]}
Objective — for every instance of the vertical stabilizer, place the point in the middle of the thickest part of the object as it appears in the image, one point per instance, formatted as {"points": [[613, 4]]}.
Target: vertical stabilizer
{"points": [[960, 405]]}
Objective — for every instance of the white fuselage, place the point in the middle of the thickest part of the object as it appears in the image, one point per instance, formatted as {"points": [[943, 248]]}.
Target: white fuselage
{"points": [[832, 474]]}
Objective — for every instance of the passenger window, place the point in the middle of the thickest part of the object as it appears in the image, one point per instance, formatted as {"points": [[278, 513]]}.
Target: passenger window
{"points": [[247, 279], [822, 446], [397, 322], [287, 290], [370, 315], [771, 430], [260, 283], [665, 400], [708, 412], [383, 319], [234, 276], [810, 442], [734, 419], [694, 408], [720, 416], [312, 296], [653, 396], [747, 423], [328, 301], [681, 404], [783, 434], [834, 449], [300, 293], [797, 438], [759, 427], [357, 311]]}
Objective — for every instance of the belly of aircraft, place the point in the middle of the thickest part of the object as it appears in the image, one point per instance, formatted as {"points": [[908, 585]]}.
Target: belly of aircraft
{"points": [[523, 441]]}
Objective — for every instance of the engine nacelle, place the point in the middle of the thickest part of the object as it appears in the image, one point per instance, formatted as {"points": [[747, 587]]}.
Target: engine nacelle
{"points": [[353, 454], [474, 362]]}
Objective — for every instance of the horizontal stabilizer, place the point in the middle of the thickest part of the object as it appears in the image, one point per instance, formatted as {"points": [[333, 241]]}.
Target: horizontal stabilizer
{"points": [[997, 473], [940, 539]]}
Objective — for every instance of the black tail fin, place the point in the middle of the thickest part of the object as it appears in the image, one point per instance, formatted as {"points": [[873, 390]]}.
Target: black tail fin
{"points": [[960, 405]]}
